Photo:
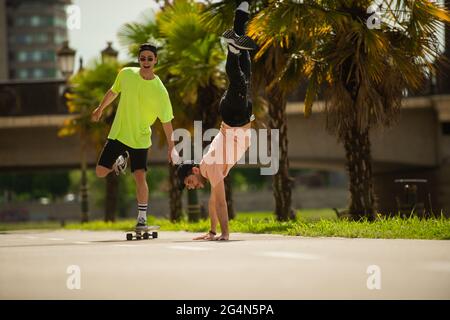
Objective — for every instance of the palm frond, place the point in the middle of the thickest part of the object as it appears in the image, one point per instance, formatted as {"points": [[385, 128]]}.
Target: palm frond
{"points": [[132, 34], [367, 70]]}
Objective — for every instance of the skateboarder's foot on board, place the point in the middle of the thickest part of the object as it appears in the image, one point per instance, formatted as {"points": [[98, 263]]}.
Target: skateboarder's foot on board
{"points": [[207, 236], [222, 237], [121, 163], [141, 224]]}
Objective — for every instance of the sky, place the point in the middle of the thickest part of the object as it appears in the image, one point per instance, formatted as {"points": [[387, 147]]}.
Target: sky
{"points": [[100, 21]]}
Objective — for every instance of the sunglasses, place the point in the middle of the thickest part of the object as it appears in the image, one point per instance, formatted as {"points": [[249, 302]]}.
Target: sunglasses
{"points": [[144, 58]]}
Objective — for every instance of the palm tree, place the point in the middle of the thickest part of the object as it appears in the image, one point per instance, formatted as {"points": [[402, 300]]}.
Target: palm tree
{"points": [[87, 89], [189, 62], [366, 70]]}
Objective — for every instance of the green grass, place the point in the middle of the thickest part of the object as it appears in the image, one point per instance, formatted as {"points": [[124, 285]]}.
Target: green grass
{"points": [[309, 223]]}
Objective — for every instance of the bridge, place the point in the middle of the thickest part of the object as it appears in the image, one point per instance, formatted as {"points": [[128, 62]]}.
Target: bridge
{"points": [[418, 146]]}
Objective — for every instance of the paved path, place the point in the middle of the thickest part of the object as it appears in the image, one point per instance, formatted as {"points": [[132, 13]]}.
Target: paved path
{"points": [[35, 265]]}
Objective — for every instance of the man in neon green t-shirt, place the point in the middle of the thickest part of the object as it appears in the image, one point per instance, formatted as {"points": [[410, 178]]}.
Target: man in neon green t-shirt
{"points": [[143, 99]]}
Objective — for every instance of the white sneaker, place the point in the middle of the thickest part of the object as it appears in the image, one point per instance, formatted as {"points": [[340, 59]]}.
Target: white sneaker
{"points": [[121, 163], [141, 224], [240, 42]]}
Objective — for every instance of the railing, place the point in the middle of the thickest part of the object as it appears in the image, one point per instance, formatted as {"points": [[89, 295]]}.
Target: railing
{"points": [[29, 98]]}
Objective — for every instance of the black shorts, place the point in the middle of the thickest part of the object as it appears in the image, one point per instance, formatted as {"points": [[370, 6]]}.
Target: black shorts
{"points": [[114, 148]]}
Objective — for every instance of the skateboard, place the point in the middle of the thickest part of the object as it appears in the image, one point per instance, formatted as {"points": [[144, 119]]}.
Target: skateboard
{"points": [[143, 233]]}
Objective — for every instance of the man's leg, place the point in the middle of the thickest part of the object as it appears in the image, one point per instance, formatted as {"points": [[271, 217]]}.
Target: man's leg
{"points": [[102, 171], [235, 107], [141, 186], [236, 36], [111, 151], [241, 17], [139, 168], [236, 59], [233, 69], [245, 65], [141, 196]]}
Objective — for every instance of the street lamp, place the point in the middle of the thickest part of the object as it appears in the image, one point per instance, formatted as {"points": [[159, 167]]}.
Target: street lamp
{"points": [[66, 59], [66, 64], [109, 53]]}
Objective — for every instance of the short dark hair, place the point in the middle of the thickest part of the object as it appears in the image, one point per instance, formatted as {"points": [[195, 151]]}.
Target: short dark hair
{"points": [[148, 47], [184, 170]]}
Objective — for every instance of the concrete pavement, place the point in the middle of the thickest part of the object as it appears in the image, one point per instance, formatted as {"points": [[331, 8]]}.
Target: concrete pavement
{"points": [[51, 264]]}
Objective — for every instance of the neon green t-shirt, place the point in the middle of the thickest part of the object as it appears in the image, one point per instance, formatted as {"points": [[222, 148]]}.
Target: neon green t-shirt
{"points": [[141, 102]]}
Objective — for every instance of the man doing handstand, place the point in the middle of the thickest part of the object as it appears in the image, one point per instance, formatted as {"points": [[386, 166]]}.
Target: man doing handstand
{"points": [[233, 139]]}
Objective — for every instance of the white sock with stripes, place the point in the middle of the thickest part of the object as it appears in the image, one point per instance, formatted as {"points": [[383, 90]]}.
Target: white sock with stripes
{"points": [[142, 213]]}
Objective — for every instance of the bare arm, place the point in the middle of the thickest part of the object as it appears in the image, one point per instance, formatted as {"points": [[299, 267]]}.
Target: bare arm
{"points": [[168, 130], [212, 212], [221, 206], [107, 100]]}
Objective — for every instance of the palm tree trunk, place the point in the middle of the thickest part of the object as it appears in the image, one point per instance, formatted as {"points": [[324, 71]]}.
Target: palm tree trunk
{"points": [[193, 206], [83, 187], [112, 187], [84, 194], [443, 77], [359, 166], [175, 195], [282, 182]]}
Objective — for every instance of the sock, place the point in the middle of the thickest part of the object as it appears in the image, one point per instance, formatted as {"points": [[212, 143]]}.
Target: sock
{"points": [[243, 6], [142, 212], [234, 49]]}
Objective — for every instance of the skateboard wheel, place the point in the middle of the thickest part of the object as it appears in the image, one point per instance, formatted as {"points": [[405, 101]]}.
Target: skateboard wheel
{"points": [[129, 236], [146, 235], [154, 235]]}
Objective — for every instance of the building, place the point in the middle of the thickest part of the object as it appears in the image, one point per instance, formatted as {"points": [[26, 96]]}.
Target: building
{"points": [[31, 31], [3, 42]]}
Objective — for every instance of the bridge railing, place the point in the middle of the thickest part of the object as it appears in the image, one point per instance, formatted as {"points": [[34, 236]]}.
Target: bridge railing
{"points": [[30, 98]]}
